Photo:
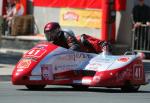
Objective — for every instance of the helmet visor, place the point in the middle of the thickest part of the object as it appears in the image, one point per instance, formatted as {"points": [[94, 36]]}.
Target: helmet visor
{"points": [[51, 35]]}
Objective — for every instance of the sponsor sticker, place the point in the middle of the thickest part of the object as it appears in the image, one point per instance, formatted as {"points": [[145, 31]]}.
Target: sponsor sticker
{"points": [[74, 56], [86, 81], [123, 59], [47, 72], [41, 46], [77, 81], [70, 16], [24, 64]]}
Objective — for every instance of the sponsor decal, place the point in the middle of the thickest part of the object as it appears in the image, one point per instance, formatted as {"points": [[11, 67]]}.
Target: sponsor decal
{"points": [[86, 81], [64, 67], [24, 64], [30, 58], [123, 59], [70, 16], [81, 17], [77, 81], [97, 78], [123, 74], [47, 72], [41, 46], [73, 56], [93, 66], [107, 59]]}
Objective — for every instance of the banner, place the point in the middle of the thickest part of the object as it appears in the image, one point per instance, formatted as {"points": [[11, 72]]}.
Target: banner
{"points": [[68, 3], [81, 18]]}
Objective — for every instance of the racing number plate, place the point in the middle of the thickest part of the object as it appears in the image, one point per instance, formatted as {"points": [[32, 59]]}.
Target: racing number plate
{"points": [[35, 53], [138, 72]]}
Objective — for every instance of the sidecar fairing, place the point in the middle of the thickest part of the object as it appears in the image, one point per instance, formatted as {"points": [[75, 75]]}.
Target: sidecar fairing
{"points": [[48, 64]]}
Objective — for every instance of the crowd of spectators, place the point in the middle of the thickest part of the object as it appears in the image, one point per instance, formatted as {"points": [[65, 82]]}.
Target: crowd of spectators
{"points": [[14, 8]]}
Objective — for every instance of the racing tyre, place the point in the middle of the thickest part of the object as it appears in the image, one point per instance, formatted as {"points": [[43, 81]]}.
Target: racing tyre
{"points": [[80, 87], [130, 88], [35, 87]]}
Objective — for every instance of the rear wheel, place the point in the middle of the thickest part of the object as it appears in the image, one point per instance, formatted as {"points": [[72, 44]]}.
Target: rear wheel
{"points": [[128, 87], [35, 87], [80, 87]]}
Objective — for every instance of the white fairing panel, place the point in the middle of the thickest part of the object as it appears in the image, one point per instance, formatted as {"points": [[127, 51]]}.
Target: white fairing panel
{"points": [[109, 62], [61, 60]]}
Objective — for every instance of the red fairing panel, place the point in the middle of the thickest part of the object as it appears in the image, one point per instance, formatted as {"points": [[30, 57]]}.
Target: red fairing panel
{"points": [[134, 72], [30, 60]]}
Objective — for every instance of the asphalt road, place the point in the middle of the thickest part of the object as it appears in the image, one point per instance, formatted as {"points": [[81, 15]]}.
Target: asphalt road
{"points": [[63, 94]]}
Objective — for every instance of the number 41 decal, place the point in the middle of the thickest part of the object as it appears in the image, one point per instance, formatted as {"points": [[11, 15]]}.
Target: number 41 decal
{"points": [[35, 52], [138, 71]]}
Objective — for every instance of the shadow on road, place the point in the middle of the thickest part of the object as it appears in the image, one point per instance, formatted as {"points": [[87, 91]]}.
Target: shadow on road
{"points": [[99, 90]]}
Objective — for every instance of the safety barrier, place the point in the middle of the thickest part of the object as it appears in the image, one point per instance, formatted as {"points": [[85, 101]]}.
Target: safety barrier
{"points": [[141, 38]]}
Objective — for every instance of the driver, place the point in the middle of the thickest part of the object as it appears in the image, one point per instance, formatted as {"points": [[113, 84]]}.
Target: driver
{"points": [[57, 36]]}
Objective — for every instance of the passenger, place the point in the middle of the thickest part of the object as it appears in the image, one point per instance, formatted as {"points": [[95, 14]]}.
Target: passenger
{"points": [[90, 44], [106, 48], [63, 38]]}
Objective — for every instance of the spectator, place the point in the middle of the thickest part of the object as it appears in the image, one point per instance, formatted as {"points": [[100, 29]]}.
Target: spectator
{"points": [[57, 36], [19, 8], [9, 13], [141, 21], [141, 14], [14, 8]]}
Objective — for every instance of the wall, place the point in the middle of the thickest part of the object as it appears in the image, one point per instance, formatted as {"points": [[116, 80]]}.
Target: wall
{"points": [[43, 15], [123, 22], [124, 25], [1, 6]]}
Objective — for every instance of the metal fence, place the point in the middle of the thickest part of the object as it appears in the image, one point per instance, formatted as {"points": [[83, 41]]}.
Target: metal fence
{"points": [[141, 38]]}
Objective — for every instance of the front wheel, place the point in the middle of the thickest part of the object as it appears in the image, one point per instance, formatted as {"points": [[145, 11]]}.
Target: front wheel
{"points": [[35, 87]]}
